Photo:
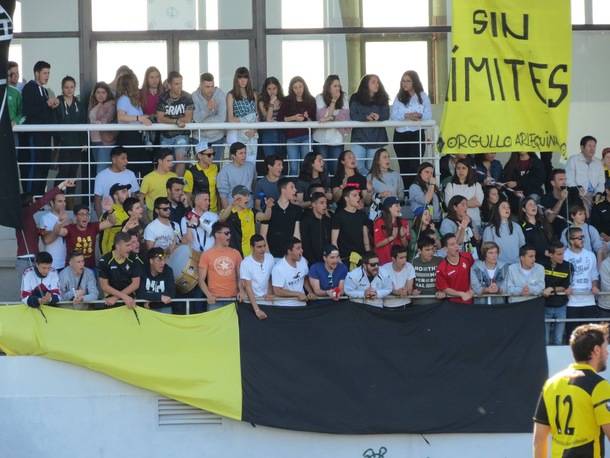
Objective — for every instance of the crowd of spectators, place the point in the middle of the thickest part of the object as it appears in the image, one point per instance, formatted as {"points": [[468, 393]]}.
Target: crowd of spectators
{"points": [[161, 230]]}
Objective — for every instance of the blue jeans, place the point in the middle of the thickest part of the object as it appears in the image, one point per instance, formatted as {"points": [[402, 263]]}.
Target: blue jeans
{"points": [[364, 154], [331, 153], [101, 153], [271, 136], [296, 152], [218, 304], [180, 142], [554, 331]]}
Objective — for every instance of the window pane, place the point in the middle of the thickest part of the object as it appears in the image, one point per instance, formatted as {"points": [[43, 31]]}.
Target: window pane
{"points": [[601, 12], [414, 55], [138, 55], [310, 69], [296, 14], [171, 15], [578, 11], [58, 16], [348, 56], [61, 53], [395, 13], [220, 58]]}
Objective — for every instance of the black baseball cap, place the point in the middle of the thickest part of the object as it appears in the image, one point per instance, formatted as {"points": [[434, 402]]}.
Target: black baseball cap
{"points": [[117, 187]]}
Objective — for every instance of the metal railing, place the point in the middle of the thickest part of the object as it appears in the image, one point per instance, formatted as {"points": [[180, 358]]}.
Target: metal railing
{"points": [[372, 302], [428, 143]]}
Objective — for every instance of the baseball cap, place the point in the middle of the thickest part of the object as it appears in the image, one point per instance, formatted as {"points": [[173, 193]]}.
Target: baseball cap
{"points": [[201, 147], [419, 211], [117, 187], [241, 190], [328, 249], [389, 201]]}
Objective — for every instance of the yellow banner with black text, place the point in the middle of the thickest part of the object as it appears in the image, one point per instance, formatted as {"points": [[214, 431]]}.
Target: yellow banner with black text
{"points": [[509, 77]]}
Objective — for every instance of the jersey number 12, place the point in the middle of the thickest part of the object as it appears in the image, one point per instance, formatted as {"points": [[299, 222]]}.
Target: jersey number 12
{"points": [[567, 402]]}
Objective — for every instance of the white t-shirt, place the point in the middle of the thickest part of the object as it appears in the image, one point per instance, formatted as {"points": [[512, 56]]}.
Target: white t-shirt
{"points": [[491, 272], [585, 271], [106, 178], [163, 235], [259, 274], [399, 280], [290, 278], [57, 248], [202, 235]]}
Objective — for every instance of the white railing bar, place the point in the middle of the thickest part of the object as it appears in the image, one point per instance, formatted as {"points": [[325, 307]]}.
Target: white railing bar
{"points": [[218, 126]]}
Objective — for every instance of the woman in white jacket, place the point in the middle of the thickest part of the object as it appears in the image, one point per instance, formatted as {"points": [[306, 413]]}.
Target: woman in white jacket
{"points": [[464, 184]]}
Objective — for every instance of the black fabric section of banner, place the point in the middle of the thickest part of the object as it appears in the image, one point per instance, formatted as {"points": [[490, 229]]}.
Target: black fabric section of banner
{"points": [[353, 369], [10, 203]]}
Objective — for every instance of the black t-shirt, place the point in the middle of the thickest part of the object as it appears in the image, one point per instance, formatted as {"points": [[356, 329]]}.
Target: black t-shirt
{"points": [[315, 234], [359, 180], [281, 227], [175, 108], [176, 213], [600, 217], [119, 275], [350, 231]]}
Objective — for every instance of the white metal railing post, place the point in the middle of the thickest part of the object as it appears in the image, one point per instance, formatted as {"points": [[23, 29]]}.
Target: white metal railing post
{"points": [[435, 154], [89, 188]]}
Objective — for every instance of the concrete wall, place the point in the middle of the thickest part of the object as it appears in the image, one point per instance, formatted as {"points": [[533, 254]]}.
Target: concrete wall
{"points": [[52, 409]]}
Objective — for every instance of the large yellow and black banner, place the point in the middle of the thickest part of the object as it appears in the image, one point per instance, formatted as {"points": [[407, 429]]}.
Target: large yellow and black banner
{"points": [[335, 368], [509, 77]]}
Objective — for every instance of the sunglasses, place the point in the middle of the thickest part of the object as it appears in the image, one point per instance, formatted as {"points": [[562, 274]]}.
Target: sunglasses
{"points": [[373, 264]]}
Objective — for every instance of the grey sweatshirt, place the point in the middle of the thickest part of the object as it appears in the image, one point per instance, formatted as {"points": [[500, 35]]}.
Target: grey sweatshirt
{"points": [[509, 243], [516, 280], [417, 199], [68, 283], [232, 175], [201, 113]]}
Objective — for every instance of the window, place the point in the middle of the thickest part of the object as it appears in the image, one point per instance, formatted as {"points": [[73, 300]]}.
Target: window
{"points": [[138, 55], [312, 14], [61, 53], [220, 58], [58, 16], [395, 13], [389, 60], [601, 12], [171, 15], [578, 11], [310, 69]]}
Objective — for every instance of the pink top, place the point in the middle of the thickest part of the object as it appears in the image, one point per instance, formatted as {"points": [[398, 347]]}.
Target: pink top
{"points": [[150, 103], [103, 113]]}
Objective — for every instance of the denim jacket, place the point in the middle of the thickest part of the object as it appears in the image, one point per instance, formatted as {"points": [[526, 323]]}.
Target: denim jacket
{"points": [[479, 279]]}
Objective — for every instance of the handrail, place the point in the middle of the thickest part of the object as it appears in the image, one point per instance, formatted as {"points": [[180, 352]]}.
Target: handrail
{"points": [[218, 126]]}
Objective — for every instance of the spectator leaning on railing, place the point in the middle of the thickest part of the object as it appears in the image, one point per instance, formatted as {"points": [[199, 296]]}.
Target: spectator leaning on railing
{"points": [[557, 279], [40, 283], [77, 283], [525, 278], [584, 279], [453, 272]]}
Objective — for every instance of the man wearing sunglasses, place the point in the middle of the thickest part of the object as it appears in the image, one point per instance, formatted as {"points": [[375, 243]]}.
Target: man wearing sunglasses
{"points": [[219, 270], [366, 284], [202, 175], [162, 232], [585, 279]]}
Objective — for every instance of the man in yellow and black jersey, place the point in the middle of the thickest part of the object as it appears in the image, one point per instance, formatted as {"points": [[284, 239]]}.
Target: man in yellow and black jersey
{"points": [[119, 193], [575, 403], [240, 219]]}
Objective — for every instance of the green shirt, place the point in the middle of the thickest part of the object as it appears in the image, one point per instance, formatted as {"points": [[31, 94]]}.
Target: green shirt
{"points": [[14, 105]]}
